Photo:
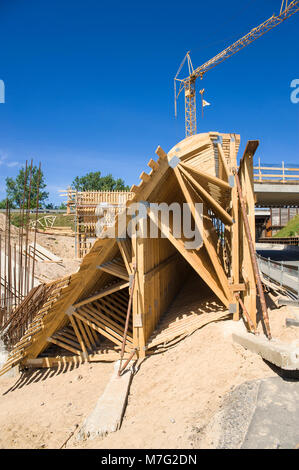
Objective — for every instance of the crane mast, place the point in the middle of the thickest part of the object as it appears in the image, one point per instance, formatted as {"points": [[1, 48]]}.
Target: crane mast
{"points": [[188, 84]]}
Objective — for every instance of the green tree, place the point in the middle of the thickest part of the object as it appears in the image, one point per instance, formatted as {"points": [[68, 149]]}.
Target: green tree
{"points": [[15, 188], [3, 204], [93, 181]]}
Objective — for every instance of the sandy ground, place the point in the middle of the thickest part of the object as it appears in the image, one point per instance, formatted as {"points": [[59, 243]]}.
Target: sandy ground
{"points": [[172, 398], [42, 408]]}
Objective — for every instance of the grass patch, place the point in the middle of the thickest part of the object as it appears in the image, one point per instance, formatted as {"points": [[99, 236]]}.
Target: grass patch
{"points": [[291, 229]]}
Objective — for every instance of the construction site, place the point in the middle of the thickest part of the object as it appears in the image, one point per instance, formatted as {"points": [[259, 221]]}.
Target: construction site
{"points": [[159, 320]]}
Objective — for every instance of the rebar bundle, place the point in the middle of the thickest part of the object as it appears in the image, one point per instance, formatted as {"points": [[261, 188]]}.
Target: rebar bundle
{"points": [[17, 258]]}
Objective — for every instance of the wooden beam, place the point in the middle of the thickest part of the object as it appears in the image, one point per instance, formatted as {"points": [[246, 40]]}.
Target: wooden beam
{"points": [[98, 327], [112, 267], [147, 276], [223, 160], [145, 177], [207, 177], [160, 152], [153, 165], [108, 290], [249, 151], [235, 231], [219, 211], [79, 337], [195, 259], [207, 236], [65, 346], [84, 333], [125, 253]]}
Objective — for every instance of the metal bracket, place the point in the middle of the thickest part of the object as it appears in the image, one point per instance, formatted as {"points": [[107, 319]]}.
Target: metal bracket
{"points": [[121, 239], [70, 311], [232, 308], [131, 278], [174, 161], [218, 140], [137, 322]]}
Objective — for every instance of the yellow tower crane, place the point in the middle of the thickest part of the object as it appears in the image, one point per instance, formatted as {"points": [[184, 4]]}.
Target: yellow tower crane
{"points": [[287, 9]]}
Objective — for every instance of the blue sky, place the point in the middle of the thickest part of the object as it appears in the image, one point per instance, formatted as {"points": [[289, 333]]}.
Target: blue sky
{"points": [[89, 85]]}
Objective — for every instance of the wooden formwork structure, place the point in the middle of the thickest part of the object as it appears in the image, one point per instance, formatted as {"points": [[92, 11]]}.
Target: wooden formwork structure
{"points": [[90, 317], [84, 204]]}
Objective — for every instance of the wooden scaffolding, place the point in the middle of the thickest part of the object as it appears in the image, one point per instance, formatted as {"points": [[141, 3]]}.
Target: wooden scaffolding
{"points": [[90, 318]]}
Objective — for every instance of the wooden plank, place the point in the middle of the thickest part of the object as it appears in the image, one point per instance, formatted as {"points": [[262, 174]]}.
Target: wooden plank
{"points": [[110, 308], [196, 260], [108, 290], [65, 339], [235, 231], [246, 173], [110, 312], [145, 177], [84, 333], [207, 236], [223, 161], [207, 177], [219, 211], [100, 327], [153, 165], [98, 315], [160, 152], [79, 337], [63, 345], [115, 269], [160, 266], [122, 245], [90, 322]]}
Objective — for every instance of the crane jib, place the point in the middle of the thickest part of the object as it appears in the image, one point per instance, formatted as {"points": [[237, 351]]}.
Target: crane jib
{"points": [[188, 84]]}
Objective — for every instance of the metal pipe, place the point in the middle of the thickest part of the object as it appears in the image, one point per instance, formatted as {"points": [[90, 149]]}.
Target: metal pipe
{"points": [[253, 256], [26, 231], [36, 217], [21, 232], [121, 369], [246, 314]]}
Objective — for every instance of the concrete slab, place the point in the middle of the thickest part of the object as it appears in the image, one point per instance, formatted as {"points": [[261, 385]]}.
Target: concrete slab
{"points": [[259, 414], [283, 355], [108, 412], [275, 420]]}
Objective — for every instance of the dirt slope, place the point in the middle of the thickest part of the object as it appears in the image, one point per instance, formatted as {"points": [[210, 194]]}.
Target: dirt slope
{"points": [[173, 396]]}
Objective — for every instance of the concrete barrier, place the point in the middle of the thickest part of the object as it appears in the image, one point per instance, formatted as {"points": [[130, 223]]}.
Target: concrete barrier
{"points": [[283, 355]]}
